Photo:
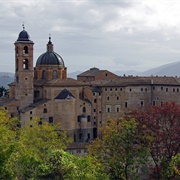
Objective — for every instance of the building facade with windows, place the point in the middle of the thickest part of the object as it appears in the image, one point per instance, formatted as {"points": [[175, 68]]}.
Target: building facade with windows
{"points": [[81, 106]]}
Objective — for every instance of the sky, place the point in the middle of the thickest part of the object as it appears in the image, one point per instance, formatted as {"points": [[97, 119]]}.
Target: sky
{"points": [[117, 35]]}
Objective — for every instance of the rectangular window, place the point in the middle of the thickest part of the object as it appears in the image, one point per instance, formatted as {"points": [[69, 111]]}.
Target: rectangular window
{"points": [[88, 136], [88, 118], [117, 108], [95, 100], [80, 136], [108, 108], [50, 119], [154, 103], [142, 103], [79, 119], [126, 104]]}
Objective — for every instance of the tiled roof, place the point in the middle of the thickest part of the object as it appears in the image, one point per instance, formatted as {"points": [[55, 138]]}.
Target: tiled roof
{"points": [[135, 80], [64, 82], [92, 72], [6, 100], [34, 105], [11, 84]]}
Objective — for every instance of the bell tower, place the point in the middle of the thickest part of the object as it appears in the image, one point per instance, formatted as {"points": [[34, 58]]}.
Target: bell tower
{"points": [[24, 72]]}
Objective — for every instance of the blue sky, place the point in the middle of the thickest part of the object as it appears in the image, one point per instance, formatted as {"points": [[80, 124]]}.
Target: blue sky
{"points": [[114, 35]]}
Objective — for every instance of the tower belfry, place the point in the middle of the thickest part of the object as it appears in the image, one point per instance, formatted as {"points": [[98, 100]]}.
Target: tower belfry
{"points": [[24, 73]]}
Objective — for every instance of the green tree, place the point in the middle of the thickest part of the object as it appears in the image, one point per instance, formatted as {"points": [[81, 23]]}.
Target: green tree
{"points": [[173, 170], [9, 133], [37, 151], [62, 165], [121, 149], [34, 142]]}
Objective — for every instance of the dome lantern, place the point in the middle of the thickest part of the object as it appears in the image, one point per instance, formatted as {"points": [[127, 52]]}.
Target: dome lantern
{"points": [[49, 45], [50, 58], [23, 35]]}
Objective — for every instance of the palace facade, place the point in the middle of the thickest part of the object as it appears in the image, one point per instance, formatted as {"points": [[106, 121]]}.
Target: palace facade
{"points": [[81, 106]]}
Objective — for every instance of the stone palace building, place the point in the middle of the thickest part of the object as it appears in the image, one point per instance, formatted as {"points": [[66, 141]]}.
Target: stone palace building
{"points": [[81, 106]]}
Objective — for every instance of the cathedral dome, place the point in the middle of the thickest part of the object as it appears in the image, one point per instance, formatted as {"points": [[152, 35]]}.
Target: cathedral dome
{"points": [[23, 35], [50, 58]]}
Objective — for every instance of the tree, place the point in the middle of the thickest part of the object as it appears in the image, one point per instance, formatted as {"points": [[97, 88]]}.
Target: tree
{"points": [[62, 165], [9, 131], [3, 91], [163, 125], [121, 149], [37, 151], [174, 167], [34, 142]]}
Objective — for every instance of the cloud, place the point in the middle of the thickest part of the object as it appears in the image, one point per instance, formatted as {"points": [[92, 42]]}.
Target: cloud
{"points": [[108, 34]]}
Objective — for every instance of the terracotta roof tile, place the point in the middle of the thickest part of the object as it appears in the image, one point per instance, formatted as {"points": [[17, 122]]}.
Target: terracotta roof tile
{"points": [[64, 82], [136, 80], [34, 105]]}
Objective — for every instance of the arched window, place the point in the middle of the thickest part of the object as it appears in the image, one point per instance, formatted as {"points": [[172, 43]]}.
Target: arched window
{"points": [[44, 74], [54, 75], [44, 110], [25, 50], [25, 64]]}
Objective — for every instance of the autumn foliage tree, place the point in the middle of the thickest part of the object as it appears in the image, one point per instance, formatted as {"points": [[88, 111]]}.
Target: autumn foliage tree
{"points": [[162, 124]]}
